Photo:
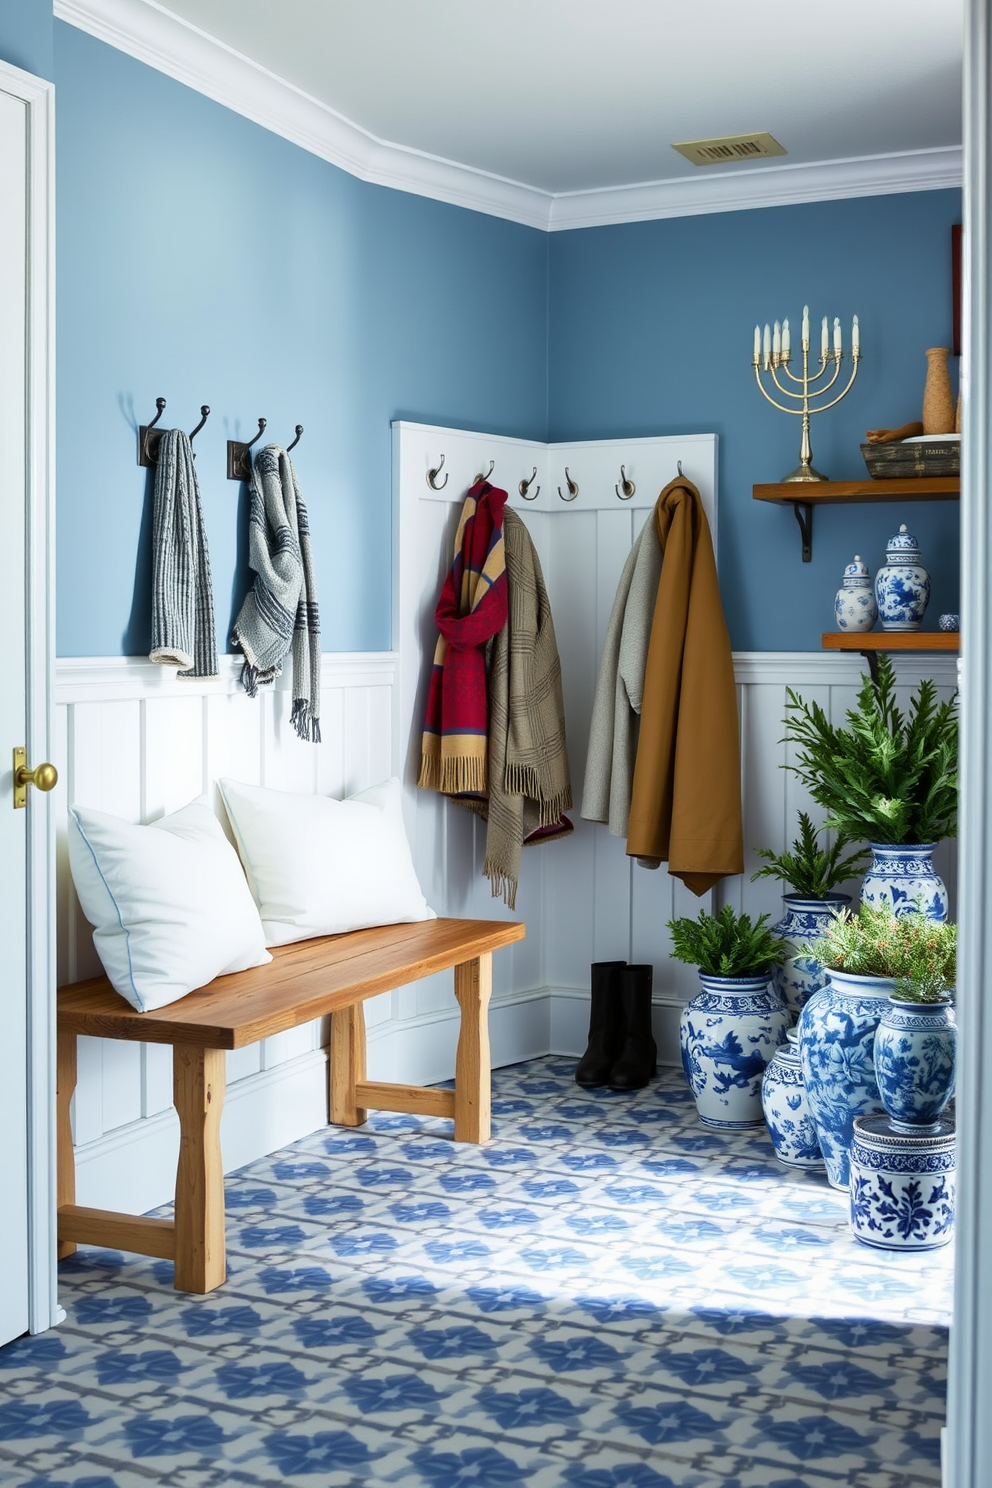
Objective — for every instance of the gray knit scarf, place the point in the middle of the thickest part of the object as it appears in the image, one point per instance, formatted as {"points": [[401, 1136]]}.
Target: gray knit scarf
{"points": [[182, 593], [280, 611]]}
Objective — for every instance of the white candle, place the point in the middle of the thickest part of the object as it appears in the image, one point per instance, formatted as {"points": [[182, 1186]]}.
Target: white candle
{"points": [[805, 328], [837, 336], [786, 341], [855, 338], [776, 343], [757, 345], [768, 346], [824, 340]]}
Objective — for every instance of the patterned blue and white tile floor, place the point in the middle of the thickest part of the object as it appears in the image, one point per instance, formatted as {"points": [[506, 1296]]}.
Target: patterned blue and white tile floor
{"points": [[606, 1296]]}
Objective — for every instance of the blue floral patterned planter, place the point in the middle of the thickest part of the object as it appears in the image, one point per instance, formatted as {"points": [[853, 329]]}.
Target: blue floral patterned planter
{"points": [[797, 977], [902, 1186], [836, 1049], [900, 874], [915, 1055], [729, 1032], [787, 1113]]}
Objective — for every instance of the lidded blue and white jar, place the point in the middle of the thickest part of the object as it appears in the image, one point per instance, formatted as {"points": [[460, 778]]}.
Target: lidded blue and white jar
{"points": [[787, 1113], [902, 586], [855, 606], [902, 1185]]}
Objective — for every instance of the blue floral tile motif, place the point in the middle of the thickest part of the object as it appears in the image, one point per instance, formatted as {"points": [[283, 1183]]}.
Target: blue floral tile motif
{"points": [[675, 1421], [158, 1366], [244, 1381], [515, 1410], [324, 1452], [567, 1307], [159, 1436], [396, 1392], [65, 1419], [813, 1437], [475, 1467]]}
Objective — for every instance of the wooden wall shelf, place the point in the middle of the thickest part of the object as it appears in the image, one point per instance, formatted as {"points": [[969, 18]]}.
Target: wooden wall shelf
{"points": [[802, 496], [892, 640]]}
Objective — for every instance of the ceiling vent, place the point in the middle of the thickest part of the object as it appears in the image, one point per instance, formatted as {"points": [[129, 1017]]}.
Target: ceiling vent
{"points": [[729, 148]]}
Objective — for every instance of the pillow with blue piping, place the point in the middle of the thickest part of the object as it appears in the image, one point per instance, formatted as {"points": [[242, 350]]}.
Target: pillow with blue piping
{"points": [[168, 902]]}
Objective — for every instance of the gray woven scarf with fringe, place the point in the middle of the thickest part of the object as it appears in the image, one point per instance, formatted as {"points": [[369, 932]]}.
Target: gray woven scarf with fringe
{"points": [[280, 612], [182, 592], [529, 783]]}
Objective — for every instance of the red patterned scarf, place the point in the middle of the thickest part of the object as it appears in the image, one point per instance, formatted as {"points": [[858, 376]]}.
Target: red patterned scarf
{"points": [[470, 610]]}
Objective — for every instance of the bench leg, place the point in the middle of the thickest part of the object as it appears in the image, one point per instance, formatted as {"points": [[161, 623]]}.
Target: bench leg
{"points": [[346, 1066], [198, 1084], [65, 1083], [473, 1064]]}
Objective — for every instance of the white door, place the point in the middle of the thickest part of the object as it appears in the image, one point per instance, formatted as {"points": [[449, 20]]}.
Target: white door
{"points": [[14, 1310], [27, 1297]]}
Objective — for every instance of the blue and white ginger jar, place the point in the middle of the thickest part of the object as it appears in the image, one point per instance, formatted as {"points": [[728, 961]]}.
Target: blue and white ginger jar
{"points": [[915, 1058], [787, 1113], [902, 1186], [902, 586], [900, 875], [855, 606], [836, 1049], [800, 975], [728, 1033]]}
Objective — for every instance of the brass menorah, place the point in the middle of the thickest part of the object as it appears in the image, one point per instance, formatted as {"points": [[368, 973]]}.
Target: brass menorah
{"points": [[773, 355]]}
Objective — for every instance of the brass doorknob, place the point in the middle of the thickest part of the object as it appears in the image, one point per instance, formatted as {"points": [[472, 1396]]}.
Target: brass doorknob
{"points": [[43, 777]]}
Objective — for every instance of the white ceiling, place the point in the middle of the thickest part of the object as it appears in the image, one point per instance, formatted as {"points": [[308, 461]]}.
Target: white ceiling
{"points": [[579, 95]]}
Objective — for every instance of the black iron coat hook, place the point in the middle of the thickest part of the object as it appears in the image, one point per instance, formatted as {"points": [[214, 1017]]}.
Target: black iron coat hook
{"points": [[148, 441], [239, 455], [297, 431]]}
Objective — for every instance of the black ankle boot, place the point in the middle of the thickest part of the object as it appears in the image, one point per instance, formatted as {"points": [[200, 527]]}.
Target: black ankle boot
{"points": [[638, 1057], [605, 1025]]}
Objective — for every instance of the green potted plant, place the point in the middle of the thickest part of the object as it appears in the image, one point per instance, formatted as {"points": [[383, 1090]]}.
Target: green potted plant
{"points": [[811, 873], [879, 962], [732, 1027], [888, 777]]}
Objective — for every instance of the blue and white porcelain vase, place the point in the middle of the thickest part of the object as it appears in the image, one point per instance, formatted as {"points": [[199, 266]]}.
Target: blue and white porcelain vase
{"points": [[902, 585], [902, 873], [836, 1049], [902, 1185], [729, 1032], [915, 1060], [787, 1113], [855, 606], [800, 975]]}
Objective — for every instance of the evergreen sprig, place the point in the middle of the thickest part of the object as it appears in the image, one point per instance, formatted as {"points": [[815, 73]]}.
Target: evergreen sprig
{"points": [[919, 953], [726, 944], [886, 777], [808, 869]]}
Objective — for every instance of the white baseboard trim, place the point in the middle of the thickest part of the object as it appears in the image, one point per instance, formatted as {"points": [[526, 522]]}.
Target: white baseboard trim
{"points": [[570, 1024]]}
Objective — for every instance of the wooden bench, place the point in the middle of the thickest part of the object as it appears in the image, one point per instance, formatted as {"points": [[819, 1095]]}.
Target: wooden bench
{"points": [[304, 981]]}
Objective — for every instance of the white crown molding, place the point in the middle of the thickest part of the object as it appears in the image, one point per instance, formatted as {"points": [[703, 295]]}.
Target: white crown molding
{"points": [[146, 30], [760, 186]]}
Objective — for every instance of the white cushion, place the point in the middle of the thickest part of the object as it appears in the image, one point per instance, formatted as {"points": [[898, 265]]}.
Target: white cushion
{"points": [[168, 902], [322, 867]]}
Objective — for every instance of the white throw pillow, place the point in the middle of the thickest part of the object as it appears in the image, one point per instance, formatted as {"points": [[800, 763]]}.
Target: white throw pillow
{"points": [[168, 902], [322, 867]]}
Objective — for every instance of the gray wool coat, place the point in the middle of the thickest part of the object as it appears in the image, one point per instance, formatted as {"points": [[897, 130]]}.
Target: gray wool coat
{"points": [[620, 687]]}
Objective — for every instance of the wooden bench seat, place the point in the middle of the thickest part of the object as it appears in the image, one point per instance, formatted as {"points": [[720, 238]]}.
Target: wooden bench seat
{"points": [[334, 975]]}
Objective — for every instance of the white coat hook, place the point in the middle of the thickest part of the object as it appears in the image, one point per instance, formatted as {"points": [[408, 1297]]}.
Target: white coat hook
{"points": [[573, 487], [432, 476]]}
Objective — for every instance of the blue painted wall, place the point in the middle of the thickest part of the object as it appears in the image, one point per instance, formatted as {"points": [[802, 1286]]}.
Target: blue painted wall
{"points": [[651, 331], [205, 260], [26, 35]]}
